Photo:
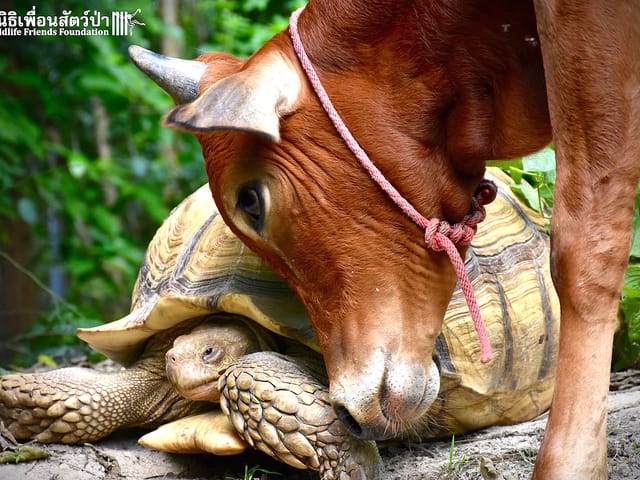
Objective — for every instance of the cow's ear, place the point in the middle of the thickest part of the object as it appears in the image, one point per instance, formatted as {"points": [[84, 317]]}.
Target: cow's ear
{"points": [[252, 100]]}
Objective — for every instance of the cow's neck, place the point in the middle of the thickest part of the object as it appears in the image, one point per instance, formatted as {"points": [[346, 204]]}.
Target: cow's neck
{"points": [[458, 95]]}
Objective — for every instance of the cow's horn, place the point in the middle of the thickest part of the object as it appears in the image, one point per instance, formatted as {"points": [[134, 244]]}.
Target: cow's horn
{"points": [[179, 78]]}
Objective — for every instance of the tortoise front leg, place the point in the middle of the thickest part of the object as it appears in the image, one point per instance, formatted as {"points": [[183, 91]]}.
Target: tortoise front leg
{"points": [[282, 408], [593, 82], [77, 405]]}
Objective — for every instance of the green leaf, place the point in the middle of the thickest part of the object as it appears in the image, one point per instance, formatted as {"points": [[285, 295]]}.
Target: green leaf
{"points": [[635, 244], [516, 173], [529, 194], [47, 360], [77, 165], [631, 287], [541, 161]]}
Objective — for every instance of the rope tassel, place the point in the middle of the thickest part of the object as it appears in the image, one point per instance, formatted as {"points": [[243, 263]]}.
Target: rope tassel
{"points": [[439, 235]]}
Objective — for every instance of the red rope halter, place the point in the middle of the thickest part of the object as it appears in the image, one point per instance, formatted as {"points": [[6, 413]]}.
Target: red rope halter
{"points": [[438, 234]]}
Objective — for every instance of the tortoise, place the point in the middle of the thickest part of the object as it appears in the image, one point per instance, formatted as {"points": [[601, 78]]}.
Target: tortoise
{"points": [[197, 276]]}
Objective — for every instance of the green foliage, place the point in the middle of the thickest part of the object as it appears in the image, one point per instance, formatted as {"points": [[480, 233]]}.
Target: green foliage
{"points": [[454, 466], [534, 176], [627, 351], [250, 473], [82, 152]]}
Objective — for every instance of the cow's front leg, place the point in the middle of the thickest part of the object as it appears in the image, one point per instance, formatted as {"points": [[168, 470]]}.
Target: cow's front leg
{"points": [[593, 81]]}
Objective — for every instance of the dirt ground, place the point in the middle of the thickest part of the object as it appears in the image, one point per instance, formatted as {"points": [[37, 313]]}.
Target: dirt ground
{"points": [[496, 453]]}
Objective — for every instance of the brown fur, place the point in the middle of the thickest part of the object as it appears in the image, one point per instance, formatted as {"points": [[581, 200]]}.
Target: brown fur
{"points": [[432, 90]]}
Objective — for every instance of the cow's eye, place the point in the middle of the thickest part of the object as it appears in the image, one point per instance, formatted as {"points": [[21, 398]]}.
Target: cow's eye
{"points": [[251, 200]]}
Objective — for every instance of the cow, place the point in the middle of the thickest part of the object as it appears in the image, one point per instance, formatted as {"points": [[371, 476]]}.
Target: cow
{"points": [[430, 90]]}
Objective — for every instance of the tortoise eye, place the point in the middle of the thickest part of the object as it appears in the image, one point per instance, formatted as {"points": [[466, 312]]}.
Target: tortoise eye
{"points": [[211, 354], [252, 202]]}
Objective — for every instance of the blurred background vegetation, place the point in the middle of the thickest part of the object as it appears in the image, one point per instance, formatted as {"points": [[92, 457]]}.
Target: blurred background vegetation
{"points": [[87, 173]]}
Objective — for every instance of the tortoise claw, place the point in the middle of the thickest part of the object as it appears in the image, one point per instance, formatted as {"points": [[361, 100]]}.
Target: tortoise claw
{"points": [[282, 408]]}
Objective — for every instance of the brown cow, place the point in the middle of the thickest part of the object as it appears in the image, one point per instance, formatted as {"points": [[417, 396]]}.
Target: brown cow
{"points": [[431, 90]]}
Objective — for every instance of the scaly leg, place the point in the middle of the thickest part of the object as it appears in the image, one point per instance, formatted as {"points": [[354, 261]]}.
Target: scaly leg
{"points": [[77, 405], [281, 407]]}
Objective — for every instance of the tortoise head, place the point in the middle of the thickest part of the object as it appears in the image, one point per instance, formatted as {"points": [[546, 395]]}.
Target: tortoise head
{"points": [[199, 357], [289, 187]]}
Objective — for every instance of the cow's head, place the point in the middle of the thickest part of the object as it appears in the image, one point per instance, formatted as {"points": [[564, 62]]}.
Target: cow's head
{"points": [[291, 190]]}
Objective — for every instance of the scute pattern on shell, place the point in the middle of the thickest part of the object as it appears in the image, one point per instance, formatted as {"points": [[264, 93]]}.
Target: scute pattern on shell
{"points": [[196, 266], [508, 266]]}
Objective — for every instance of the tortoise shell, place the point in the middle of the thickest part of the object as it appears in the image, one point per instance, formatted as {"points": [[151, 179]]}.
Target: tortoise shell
{"points": [[196, 266]]}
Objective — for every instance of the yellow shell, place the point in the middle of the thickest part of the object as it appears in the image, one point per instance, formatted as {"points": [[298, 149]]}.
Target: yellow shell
{"points": [[509, 269]]}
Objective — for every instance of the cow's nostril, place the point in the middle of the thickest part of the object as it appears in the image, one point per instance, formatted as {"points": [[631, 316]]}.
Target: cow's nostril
{"points": [[347, 420]]}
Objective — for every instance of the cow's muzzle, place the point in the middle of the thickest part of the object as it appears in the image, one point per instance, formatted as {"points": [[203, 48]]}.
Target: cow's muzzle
{"points": [[387, 399]]}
